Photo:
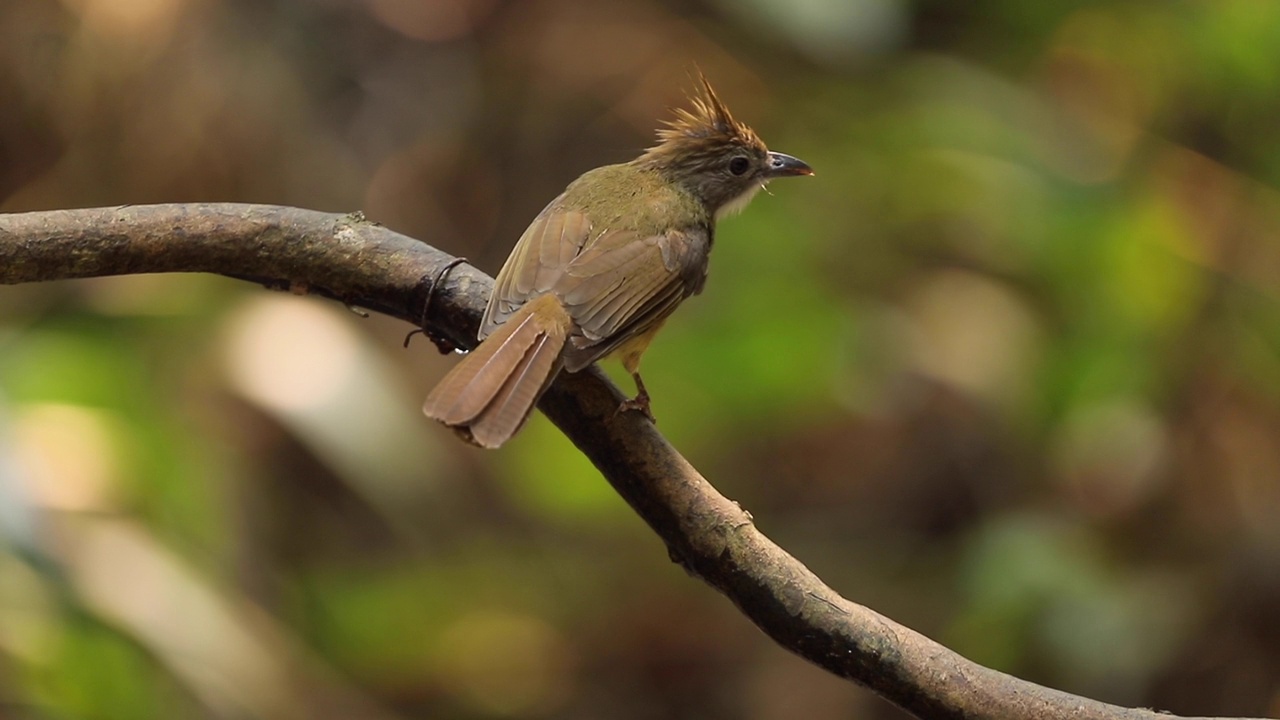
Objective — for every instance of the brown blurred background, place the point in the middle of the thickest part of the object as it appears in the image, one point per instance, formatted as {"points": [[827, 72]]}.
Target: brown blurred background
{"points": [[1007, 370]]}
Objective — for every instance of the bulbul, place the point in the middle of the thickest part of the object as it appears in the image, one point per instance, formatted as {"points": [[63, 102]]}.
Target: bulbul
{"points": [[603, 266]]}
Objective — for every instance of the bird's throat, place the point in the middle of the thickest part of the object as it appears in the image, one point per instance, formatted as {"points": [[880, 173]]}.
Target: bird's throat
{"points": [[736, 205]]}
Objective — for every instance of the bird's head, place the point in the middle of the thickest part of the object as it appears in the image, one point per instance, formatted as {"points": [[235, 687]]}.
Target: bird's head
{"points": [[718, 159]]}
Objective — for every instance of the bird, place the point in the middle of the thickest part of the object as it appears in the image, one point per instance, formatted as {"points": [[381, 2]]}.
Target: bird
{"points": [[604, 265]]}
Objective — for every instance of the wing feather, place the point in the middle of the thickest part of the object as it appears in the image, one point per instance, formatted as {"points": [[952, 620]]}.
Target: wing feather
{"points": [[534, 267], [614, 310], [615, 284], [581, 352], [619, 277]]}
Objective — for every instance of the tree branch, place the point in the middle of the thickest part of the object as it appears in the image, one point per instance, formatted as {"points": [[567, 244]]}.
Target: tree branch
{"points": [[361, 263]]}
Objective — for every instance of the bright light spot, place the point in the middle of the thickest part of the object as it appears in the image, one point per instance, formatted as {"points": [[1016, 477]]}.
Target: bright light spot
{"points": [[831, 31], [149, 20], [69, 456], [290, 354], [973, 333], [302, 362]]}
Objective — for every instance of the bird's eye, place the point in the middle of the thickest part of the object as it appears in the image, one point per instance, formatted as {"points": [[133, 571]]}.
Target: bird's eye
{"points": [[739, 165]]}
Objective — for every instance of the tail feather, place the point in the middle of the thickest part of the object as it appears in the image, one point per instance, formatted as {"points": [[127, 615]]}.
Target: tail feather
{"points": [[511, 407], [470, 386], [491, 392]]}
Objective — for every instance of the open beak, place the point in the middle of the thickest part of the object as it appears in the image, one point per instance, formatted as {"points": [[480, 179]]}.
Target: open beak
{"points": [[783, 165]]}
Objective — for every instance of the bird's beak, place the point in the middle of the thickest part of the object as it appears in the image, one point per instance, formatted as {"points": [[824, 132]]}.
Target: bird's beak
{"points": [[783, 165]]}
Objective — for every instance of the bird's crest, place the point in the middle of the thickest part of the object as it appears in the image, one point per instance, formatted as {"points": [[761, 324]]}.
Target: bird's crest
{"points": [[707, 122]]}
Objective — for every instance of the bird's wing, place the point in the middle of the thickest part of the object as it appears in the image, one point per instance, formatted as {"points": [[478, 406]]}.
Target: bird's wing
{"points": [[615, 283], [546, 248], [622, 285]]}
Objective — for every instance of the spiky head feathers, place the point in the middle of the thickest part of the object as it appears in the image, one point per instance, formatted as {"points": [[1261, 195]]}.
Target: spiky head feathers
{"points": [[709, 121], [708, 151]]}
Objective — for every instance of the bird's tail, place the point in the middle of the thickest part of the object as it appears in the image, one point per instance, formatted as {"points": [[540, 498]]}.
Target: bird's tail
{"points": [[489, 394]]}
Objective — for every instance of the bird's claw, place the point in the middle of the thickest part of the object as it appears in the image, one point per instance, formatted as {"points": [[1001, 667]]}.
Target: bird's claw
{"points": [[639, 403]]}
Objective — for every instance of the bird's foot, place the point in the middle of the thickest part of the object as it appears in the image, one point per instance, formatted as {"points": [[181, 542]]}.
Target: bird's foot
{"points": [[639, 403]]}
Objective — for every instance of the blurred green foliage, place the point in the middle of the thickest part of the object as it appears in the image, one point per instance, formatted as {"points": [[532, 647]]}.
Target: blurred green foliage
{"points": [[1006, 370]]}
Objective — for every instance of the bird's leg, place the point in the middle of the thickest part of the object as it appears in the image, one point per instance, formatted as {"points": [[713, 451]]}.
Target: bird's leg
{"points": [[640, 402]]}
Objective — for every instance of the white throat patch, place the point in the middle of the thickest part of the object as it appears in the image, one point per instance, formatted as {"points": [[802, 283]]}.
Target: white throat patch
{"points": [[737, 204]]}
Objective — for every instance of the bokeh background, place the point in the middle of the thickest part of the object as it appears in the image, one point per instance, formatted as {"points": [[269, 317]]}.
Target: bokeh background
{"points": [[1007, 370]]}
